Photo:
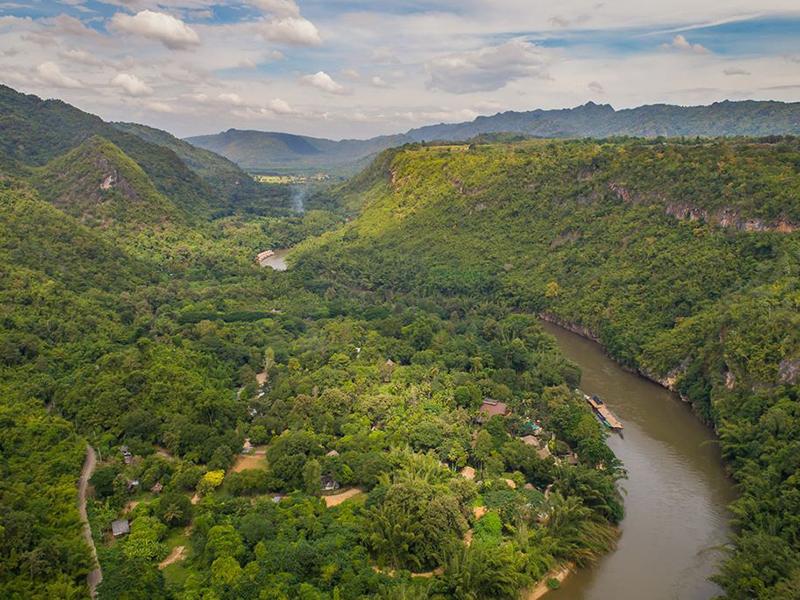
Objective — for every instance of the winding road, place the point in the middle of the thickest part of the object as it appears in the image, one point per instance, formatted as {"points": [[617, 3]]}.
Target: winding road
{"points": [[95, 576]]}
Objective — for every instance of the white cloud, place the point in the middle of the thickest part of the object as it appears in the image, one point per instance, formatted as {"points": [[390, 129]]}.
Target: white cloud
{"points": [[172, 32], [679, 42], [159, 107], [322, 81], [50, 73], [231, 98], [280, 107], [295, 31], [487, 69], [280, 8], [81, 57], [132, 85], [74, 27], [351, 73], [378, 82]]}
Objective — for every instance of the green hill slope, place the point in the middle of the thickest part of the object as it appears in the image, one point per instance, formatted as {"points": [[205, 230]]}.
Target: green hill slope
{"points": [[36, 131], [223, 176], [101, 186], [683, 259]]}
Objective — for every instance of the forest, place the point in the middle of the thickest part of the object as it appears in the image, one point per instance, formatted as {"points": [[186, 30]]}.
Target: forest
{"points": [[261, 434], [387, 418], [680, 256]]}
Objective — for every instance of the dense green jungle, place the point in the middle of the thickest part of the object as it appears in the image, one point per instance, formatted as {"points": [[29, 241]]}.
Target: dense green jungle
{"points": [[387, 417]]}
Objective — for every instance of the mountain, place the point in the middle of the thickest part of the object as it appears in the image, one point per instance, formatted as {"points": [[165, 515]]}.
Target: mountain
{"points": [[753, 118], [263, 151], [284, 152], [679, 257], [100, 185], [223, 176], [36, 131]]}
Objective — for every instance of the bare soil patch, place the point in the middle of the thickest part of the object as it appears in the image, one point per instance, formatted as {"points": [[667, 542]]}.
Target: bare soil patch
{"points": [[336, 499], [178, 553]]}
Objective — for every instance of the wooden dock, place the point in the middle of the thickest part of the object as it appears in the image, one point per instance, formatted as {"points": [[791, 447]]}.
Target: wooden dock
{"points": [[602, 411]]}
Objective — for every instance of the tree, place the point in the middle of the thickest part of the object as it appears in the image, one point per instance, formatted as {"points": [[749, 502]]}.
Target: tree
{"points": [[484, 571], [467, 396], [224, 540], [269, 362], [144, 541], [221, 459], [484, 446], [103, 481], [130, 579], [312, 473], [552, 290], [210, 481], [225, 571], [174, 509]]}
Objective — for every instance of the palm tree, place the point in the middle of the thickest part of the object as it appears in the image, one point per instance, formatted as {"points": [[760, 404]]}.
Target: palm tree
{"points": [[483, 572], [580, 534]]}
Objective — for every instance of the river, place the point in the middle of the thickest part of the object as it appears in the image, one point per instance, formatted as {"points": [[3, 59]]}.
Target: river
{"points": [[677, 491], [277, 261]]}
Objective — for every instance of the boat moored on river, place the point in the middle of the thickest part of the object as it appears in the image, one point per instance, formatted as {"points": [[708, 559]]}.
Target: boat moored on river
{"points": [[603, 413]]}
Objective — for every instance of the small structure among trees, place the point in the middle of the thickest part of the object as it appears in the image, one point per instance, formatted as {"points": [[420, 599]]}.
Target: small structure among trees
{"points": [[329, 484], [491, 408], [120, 527]]}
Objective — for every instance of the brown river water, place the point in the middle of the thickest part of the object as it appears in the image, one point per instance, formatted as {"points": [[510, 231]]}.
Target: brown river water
{"points": [[676, 491], [277, 261]]}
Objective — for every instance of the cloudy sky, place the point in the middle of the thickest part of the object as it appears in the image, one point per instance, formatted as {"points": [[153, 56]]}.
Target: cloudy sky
{"points": [[357, 68]]}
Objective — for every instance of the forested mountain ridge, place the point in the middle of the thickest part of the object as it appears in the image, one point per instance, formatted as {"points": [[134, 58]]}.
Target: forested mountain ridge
{"points": [[35, 131], [728, 118], [98, 184], [223, 176], [276, 152], [586, 231], [265, 151]]}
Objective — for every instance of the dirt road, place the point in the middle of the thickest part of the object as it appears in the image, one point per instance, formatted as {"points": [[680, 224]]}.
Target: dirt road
{"points": [[96, 575]]}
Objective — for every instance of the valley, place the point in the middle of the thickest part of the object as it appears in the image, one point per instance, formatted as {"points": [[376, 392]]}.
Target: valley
{"points": [[339, 428]]}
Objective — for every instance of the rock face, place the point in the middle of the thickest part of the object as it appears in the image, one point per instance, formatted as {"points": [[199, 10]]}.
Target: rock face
{"points": [[727, 218], [109, 182], [789, 370], [569, 326]]}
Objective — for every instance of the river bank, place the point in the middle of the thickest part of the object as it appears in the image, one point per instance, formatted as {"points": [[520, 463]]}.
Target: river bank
{"points": [[676, 493], [667, 382], [560, 574]]}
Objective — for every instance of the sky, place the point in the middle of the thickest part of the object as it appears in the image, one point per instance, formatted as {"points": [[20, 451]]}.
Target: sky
{"points": [[359, 68]]}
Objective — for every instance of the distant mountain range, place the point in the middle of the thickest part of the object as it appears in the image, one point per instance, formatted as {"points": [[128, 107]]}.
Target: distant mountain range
{"points": [[283, 152], [258, 151]]}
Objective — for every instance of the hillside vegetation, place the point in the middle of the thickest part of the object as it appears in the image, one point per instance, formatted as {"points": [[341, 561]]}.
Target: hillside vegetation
{"points": [[136, 322], [682, 258], [36, 131], [321, 433]]}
